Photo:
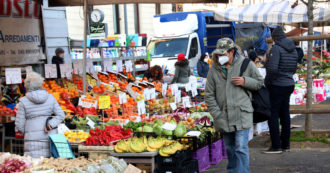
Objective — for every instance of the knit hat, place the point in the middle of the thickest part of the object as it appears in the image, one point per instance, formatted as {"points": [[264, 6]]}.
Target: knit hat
{"points": [[278, 32], [181, 57], [59, 50], [223, 45]]}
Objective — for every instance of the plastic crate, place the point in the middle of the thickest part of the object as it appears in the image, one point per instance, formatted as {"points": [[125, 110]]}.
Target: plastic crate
{"points": [[176, 160], [216, 152], [194, 142], [190, 166], [224, 151], [203, 158]]}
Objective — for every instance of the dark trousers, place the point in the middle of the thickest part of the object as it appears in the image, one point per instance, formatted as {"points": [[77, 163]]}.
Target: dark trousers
{"points": [[280, 102]]}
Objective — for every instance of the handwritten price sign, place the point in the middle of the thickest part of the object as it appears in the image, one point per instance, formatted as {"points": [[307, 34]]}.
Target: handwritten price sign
{"points": [[13, 76], [87, 103], [104, 102]]}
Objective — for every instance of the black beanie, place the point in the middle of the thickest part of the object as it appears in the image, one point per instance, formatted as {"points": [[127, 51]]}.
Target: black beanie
{"points": [[278, 32]]}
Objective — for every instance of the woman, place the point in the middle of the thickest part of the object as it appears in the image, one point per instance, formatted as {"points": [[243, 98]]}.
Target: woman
{"points": [[182, 70], [33, 111], [154, 74], [203, 66]]}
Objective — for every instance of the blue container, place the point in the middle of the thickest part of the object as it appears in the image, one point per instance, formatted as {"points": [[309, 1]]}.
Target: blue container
{"points": [[111, 43], [11, 106]]}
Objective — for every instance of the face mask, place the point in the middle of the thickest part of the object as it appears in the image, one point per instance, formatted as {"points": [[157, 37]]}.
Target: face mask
{"points": [[223, 59], [206, 60], [61, 55]]}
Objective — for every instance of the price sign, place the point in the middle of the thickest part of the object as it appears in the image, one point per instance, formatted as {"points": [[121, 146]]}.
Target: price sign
{"points": [[194, 89], [28, 69], [152, 93], [194, 133], [62, 128], [173, 106], [186, 102], [164, 89], [108, 65], [141, 107], [188, 87], [174, 88], [78, 67], [90, 123], [169, 126], [13, 76], [119, 64], [66, 70], [128, 66], [50, 71], [178, 96], [147, 94], [122, 98], [104, 102], [87, 103], [89, 66]]}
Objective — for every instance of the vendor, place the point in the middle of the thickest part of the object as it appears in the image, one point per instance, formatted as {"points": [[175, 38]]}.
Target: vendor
{"points": [[58, 59], [182, 70], [33, 111], [154, 74], [203, 66]]}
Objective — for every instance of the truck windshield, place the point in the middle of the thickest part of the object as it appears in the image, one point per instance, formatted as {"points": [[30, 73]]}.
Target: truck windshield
{"points": [[167, 47]]}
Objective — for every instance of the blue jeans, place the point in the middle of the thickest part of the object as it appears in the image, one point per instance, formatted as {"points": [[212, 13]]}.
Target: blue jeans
{"points": [[238, 151]]}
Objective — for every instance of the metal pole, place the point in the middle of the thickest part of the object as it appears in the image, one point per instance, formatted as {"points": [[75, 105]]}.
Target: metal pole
{"points": [[125, 18], [322, 44], [85, 46]]}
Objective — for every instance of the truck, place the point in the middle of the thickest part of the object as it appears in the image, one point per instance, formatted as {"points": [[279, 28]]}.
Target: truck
{"points": [[191, 33]]}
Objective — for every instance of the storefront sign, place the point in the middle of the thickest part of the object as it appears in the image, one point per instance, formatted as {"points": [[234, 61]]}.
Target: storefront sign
{"points": [[98, 31], [20, 32]]}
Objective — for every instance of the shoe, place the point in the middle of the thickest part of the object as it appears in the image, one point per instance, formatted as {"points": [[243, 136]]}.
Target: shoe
{"points": [[286, 149], [272, 151]]}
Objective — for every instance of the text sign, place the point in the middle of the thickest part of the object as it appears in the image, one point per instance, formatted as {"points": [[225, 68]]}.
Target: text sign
{"points": [[13, 76], [87, 103], [104, 102], [50, 71]]}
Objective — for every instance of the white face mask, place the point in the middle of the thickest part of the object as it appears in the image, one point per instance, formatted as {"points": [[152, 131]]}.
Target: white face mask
{"points": [[206, 59], [223, 59], [61, 55]]}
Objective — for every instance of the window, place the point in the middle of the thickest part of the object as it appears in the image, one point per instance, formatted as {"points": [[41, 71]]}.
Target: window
{"points": [[193, 48]]}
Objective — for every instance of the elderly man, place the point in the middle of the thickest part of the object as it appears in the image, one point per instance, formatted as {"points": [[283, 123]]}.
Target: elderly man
{"points": [[33, 111], [228, 99]]}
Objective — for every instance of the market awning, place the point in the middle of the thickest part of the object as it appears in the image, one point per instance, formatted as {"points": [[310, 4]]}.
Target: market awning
{"points": [[53, 3], [276, 12]]}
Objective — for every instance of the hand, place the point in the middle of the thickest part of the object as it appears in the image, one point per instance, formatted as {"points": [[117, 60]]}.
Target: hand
{"points": [[238, 81], [50, 129]]}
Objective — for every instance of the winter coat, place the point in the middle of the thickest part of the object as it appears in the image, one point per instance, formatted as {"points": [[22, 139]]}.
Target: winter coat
{"points": [[202, 68], [230, 105], [57, 60], [282, 63], [182, 72], [33, 111]]}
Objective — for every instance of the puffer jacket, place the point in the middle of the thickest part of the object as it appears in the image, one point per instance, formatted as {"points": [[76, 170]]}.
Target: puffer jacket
{"points": [[230, 105], [182, 72], [282, 63], [33, 111]]}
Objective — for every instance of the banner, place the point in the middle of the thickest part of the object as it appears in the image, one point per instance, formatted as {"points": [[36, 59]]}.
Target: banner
{"points": [[20, 32]]}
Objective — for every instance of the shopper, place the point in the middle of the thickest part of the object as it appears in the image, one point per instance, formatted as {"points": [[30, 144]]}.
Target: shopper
{"points": [[154, 74], [58, 59], [182, 70], [228, 99], [203, 66], [300, 53], [33, 111], [280, 67]]}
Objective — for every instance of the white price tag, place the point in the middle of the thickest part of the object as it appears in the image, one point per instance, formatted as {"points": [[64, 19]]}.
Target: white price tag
{"points": [[186, 102], [164, 89], [78, 67], [177, 96], [188, 87], [174, 88], [246, 53], [107, 65], [152, 93], [62, 128], [28, 69], [141, 107], [194, 89], [89, 66], [169, 126], [66, 70], [194, 133], [87, 103], [13, 75], [173, 106], [90, 123], [122, 98], [128, 66], [119, 64], [147, 94], [50, 71]]}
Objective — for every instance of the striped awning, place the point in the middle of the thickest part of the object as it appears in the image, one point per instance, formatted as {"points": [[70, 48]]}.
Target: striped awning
{"points": [[276, 12]]}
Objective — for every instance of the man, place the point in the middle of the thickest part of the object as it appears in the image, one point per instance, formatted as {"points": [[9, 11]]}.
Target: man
{"points": [[228, 99], [280, 67], [58, 59], [300, 53]]}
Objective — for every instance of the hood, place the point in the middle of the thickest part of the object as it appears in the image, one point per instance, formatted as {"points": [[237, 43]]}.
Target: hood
{"points": [[286, 44], [57, 60], [38, 96], [182, 63]]}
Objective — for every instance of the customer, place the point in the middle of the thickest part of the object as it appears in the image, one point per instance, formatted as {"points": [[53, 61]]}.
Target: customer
{"points": [[280, 67], [228, 99], [58, 59], [154, 74], [182, 70], [300, 53], [203, 66], [33, 111]]}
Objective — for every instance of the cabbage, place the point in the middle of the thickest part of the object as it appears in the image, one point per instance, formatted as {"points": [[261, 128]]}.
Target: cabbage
{"points": [[158, 129], [147, 129], [168, 132], [180, 130]]}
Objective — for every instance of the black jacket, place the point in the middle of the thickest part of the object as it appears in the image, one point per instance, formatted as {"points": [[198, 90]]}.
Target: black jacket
{"points": [[282, 63], [57, 60], [202, 68]]}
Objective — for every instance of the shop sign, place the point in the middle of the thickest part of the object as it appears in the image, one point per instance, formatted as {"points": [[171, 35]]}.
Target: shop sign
{"points": [[98, 31]]}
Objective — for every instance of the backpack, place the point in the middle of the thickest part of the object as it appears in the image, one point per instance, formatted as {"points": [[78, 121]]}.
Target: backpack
{"points": [[260, 99]]}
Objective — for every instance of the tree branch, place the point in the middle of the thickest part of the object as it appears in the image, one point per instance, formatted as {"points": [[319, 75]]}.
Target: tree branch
{"points": [[305, 2]]}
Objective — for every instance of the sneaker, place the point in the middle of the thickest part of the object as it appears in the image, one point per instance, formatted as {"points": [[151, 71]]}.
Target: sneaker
{"points": [[273, 151], [286, 149]]}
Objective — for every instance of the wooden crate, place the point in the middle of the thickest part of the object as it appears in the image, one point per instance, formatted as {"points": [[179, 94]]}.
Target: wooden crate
{"points": [[146, 168], [96, 152]]}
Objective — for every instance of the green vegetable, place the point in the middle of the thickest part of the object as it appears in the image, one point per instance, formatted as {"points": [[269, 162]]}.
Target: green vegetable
{"points": [[158, 129], [147, 129], [180, 130], [167, 132]]}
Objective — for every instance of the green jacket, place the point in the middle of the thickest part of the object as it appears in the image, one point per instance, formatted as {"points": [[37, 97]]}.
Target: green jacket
{"points": [[229, 105], [182, 72]]}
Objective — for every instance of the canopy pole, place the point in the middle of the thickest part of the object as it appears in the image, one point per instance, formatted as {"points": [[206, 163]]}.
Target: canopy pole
{"points": [[85, 47]]}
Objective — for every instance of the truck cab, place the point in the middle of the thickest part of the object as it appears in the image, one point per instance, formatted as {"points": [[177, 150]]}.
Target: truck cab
{"points": [[190, 33]]}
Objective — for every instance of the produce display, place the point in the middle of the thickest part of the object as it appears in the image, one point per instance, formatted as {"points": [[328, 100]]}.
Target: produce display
{"points": [[105, 137], [76, 136]]}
